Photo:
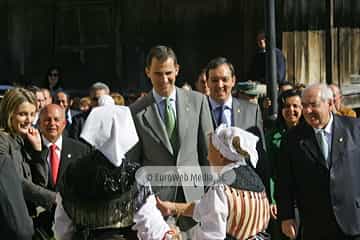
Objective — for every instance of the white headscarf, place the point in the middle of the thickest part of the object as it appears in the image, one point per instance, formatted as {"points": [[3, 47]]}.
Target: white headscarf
{"points": [[106, 100], [111, 130], [222, 140]]}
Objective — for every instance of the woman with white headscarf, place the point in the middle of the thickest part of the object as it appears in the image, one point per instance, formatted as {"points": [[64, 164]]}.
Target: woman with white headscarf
{"points": [[235, 210], [97, 192]]}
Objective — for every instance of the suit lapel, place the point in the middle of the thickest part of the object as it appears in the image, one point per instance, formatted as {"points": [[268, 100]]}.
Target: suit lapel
{"points": [[64, 155], [214, 123], [236, 114], [183, 114], [43, 155], [338, 140], [311, 147], [152, 117]]}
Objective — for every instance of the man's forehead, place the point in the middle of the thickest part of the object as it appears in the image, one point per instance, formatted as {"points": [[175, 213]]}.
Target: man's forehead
{"points": [[223, 69], [311, 95], [161, 61]]}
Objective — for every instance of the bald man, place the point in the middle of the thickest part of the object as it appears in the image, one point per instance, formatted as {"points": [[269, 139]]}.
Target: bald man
{"points": [[57, 152], [52, 125]]}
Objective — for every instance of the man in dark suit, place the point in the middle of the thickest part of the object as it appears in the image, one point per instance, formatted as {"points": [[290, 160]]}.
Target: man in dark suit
{"points": [[173, 126], [319, 170], [58, 151], [97, 90], [64, 100], [231, 111]]}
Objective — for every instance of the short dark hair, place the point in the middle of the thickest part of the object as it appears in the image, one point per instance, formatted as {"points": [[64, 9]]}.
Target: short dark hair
{"points": [[285, 95], [161, 53], [67, 95], [285, 83], [214, 63]]}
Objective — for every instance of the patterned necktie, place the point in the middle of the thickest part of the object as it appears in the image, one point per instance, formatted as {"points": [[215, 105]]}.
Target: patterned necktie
{"points": [[54, 162], [170, 120], [324, 146]]}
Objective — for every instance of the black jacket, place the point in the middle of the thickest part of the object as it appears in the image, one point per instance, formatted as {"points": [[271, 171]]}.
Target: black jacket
{"points": [[326, 192]]}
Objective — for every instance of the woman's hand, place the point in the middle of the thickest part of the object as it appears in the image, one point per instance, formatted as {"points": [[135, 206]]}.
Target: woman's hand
{"points": [[166, 208], [34, 138], [273, 211]]}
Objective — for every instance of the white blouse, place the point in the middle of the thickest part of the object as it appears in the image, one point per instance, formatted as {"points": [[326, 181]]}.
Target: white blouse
{"points": [[212, 211]]}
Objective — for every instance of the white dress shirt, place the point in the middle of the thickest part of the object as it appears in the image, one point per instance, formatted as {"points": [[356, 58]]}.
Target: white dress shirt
{"points": [[212, 211], [58, 144]]}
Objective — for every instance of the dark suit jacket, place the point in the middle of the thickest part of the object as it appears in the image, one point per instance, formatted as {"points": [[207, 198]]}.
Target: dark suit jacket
{"points": [[247, 116], [15, 222], [327, 193], [258, 66], [78, 122], [71, 149], [73, 113]]}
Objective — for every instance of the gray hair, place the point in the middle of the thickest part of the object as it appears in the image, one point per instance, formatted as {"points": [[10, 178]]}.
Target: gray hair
{"points": [[100, 86], [325, 92]]}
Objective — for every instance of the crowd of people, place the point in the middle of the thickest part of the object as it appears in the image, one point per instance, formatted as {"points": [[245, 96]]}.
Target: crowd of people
{"points": [[82, 169]]}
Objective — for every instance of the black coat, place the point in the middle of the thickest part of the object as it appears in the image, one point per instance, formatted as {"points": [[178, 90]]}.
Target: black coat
{"points": [[71, 150], [15, 222], [327, 192]]}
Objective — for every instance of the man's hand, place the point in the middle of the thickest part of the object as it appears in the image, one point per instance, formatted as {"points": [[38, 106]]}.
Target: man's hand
{"points": [[288, 227], [34, 138]]}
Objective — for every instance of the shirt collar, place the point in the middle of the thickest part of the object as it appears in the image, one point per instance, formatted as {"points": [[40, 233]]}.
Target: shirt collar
{"points": [[58, 143], [159, 99], [227, 103], [328, 127]]}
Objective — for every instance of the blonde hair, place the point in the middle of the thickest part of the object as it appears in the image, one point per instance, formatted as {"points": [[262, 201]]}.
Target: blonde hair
{"points": [[10, 102], [118, 98]]}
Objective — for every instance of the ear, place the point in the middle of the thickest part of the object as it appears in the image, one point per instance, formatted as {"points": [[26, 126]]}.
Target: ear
{"points": [[177, 69], [147, 72]]}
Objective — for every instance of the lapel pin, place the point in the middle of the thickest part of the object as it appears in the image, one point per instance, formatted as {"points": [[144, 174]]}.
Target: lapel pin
{"points": [[69, 155], [341, 139]]}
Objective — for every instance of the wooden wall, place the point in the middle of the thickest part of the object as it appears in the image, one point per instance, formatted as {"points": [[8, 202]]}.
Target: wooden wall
{"points": [[321, 40]]}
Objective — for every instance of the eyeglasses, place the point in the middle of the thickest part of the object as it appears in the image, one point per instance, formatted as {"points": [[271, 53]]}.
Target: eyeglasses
{"points": [[53, 74], [311, 105]]}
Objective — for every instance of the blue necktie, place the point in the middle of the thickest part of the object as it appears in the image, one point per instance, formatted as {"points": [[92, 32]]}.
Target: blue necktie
{"points": [[220, 115], [324, 146]]}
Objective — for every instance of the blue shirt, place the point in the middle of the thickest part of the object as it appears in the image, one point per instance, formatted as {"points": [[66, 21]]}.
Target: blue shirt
{"points": [[227, 110], [160, 102]]}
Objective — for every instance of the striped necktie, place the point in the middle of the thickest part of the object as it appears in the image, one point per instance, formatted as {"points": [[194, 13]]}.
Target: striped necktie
{"points": [[324, 146], [170, 120]]}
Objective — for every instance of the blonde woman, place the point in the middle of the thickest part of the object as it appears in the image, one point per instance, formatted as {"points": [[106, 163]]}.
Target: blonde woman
{"points": [[22, 144]]}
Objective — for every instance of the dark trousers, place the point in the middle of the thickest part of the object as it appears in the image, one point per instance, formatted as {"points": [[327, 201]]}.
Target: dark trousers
{"points": [[331, 232]]}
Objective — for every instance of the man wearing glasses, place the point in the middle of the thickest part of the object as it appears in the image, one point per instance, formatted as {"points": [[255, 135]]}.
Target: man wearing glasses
{"points": [[319, 171]]}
